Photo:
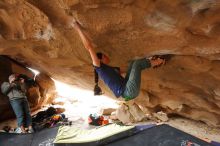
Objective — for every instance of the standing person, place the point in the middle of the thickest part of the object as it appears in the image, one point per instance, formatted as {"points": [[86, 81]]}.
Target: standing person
{"points": [[16, 90], [128, 87]]}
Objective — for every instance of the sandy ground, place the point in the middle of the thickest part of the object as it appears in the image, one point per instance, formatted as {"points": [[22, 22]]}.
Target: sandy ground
{"points": [[77, 110], [195, 128]]}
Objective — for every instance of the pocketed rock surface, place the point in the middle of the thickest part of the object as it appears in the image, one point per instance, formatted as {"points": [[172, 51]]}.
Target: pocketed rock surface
{"points": [[38, 34]]}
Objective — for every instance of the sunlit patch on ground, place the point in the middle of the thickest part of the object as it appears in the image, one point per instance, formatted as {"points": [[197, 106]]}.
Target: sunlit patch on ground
{"points": [[80, 103]]}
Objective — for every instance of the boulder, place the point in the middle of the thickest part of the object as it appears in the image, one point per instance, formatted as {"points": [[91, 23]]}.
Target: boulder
{"points": [[38, 34]]}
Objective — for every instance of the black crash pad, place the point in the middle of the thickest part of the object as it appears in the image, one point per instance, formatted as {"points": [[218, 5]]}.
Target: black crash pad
{"points": [[162, 135], [41, 138]]}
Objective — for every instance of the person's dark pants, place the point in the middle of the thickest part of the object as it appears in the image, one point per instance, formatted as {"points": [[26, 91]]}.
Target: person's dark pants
{"points": [[133, 78], [22, 111]]}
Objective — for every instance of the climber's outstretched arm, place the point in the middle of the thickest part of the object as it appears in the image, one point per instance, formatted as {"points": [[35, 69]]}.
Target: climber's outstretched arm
{"points": [[88, 45]]}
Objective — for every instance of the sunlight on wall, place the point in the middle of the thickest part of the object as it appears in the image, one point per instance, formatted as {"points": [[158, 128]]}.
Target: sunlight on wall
{"points": [[36, 72], [80, 102]]}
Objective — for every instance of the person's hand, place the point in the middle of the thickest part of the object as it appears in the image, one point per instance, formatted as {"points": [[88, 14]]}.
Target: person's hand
{"points": [[73, 23], [69, 22], [12, 79]]}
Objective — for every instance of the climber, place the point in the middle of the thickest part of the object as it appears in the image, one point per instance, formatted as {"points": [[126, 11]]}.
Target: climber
{"points": [[16, 89], [127, 87]]}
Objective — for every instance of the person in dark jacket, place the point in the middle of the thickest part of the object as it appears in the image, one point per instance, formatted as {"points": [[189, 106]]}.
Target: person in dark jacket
{"points": [[128, 87], [16, 90]]}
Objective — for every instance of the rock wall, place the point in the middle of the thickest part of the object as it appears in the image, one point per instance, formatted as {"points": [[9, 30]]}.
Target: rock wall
{"points": [[42, 93], [38, 34]]}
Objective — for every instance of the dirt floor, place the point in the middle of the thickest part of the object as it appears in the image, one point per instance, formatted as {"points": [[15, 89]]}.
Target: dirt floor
{"points": [[195, 128], [77, 110], [198, 129]]}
